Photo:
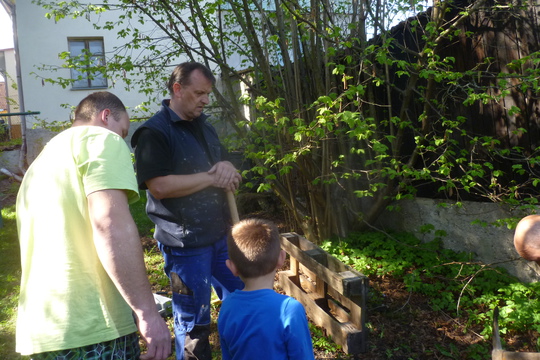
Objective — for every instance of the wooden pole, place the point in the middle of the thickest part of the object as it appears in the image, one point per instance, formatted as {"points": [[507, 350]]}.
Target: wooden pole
{"points": [[232, 207]]}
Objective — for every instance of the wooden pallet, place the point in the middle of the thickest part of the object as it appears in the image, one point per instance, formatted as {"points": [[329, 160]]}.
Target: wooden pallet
{"points": [[333, 294]]}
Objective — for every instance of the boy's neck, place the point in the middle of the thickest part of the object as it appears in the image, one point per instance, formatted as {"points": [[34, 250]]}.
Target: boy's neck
{"points": [[259, 283]]}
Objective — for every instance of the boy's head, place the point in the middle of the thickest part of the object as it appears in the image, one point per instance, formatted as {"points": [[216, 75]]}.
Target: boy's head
{"points": [[254, 247], [527, 238]]}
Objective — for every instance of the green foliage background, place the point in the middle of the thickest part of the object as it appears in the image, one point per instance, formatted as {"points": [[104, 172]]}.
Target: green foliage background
{"points": [[337, 104]]}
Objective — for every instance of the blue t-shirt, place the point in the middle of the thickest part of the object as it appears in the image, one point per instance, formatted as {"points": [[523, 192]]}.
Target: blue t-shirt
{"points": [[263, 324]]}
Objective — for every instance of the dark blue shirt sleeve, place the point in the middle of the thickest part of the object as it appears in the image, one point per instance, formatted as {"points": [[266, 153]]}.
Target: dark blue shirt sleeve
{"points": [[152, 157]]}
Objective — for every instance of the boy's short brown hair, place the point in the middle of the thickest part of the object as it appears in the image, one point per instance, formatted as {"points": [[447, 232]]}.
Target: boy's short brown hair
{"points": [[254, 247]]}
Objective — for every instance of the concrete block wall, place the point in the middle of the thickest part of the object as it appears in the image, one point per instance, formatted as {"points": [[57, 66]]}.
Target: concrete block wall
{"points": [[491, 244]]}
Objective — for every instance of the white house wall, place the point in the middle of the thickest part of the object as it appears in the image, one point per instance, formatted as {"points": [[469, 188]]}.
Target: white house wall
{"points": [[40, 42]]}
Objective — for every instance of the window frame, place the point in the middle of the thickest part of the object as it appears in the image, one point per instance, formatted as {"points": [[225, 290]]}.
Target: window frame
{"points": [[99, 80]]}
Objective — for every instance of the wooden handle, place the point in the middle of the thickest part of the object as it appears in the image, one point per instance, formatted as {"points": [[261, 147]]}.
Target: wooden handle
{"points": [[232, 207]]}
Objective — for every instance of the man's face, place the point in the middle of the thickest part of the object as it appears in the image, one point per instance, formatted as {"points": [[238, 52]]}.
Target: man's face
{"points": [[189, 100], [119, 124]]}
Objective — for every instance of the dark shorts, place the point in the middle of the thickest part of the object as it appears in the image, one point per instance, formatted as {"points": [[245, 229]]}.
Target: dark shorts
{"points": [[123, 348]]}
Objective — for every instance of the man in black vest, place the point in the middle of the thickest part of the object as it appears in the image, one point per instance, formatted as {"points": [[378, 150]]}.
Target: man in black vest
{"points": [[183, 166]]}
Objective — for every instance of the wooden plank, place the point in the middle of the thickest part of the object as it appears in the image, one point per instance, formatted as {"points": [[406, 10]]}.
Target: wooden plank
{"points": [[339, 281], [294, 264], [318, 253], [307, 285], [346, 309], [321, 287], [339, 311], [331, 262], [333, 294], [509, 355], [354, 283], [358, 313], [351, 339], [498, 353], [292, 238], [355, 308], [351, 306]]}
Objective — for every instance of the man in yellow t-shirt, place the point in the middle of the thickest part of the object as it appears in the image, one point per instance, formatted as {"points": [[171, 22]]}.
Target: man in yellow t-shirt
{"points": [[84, 288]]}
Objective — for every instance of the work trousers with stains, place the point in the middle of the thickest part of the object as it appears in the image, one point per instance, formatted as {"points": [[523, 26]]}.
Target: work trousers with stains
{"points": [[192, 273]]}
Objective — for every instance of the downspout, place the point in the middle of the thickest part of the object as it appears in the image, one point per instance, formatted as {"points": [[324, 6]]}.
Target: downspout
{"points": [[9, 5]]}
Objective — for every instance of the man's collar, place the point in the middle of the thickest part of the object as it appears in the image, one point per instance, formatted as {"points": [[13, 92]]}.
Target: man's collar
{"points": [[174, 116]]}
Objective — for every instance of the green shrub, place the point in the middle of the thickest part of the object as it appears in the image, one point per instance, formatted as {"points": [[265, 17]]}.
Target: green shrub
{"points": [[452, 281]]}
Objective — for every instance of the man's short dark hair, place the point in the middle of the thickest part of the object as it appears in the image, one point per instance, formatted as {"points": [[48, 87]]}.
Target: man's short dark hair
{"points": [[97, 102], [182, 74]]}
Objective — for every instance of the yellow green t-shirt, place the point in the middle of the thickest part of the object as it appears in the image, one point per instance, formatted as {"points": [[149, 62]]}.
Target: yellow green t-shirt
{"points": [[67, 299]]}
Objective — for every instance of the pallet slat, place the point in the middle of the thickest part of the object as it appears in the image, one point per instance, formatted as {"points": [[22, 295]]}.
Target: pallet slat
{"points": [[340, 281]]}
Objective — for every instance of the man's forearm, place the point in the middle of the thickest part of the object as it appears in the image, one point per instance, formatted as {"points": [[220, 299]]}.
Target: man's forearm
{"points": [[172, 186], [118, 245], [119, 249]]}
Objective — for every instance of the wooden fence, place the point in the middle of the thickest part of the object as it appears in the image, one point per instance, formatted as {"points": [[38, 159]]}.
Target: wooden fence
{"points": [[499, 37]]}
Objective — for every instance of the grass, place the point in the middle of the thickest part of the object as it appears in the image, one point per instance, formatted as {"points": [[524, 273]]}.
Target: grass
{"points": [[144, 224], [12, 142], [10, 274], [10, 271]]}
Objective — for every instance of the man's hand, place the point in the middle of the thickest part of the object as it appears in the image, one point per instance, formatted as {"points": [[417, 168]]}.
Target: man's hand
{"points": [[157, 337], [225, 176]]}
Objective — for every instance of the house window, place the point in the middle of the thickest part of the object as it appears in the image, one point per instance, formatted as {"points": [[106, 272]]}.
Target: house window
{"points": [[89, 54]]}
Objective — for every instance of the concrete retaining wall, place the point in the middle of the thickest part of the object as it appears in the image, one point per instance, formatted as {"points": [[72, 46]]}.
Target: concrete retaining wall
{"points": [[491, 244], [36, 140]]}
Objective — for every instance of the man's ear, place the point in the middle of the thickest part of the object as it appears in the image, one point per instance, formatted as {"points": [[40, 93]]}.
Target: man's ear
{"points": [[231, 267], [281, 259], [176, 88], [104, 116]]}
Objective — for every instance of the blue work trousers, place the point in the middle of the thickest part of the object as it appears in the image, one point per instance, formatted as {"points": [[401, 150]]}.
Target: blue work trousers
{"points": [[192, 273]]}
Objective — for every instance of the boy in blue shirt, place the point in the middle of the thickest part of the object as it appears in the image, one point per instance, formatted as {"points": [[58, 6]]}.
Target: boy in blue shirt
{"points": [[258, 322]]}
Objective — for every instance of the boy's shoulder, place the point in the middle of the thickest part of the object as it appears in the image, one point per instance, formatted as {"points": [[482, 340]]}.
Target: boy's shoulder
{"points": [[260, 295]]}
